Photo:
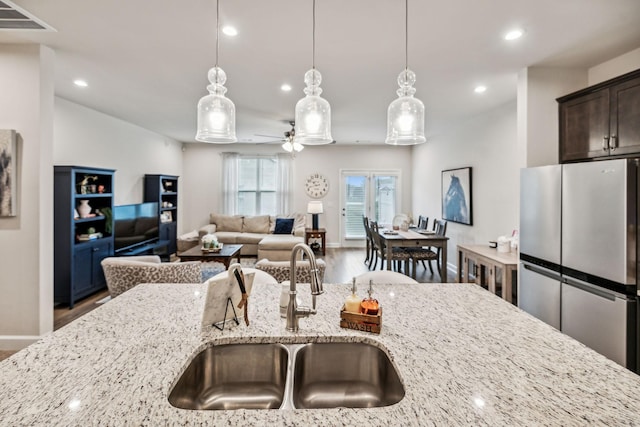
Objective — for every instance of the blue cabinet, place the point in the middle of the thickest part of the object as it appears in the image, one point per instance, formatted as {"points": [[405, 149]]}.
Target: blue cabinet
{"points": [[163, 189], [83, 227]]}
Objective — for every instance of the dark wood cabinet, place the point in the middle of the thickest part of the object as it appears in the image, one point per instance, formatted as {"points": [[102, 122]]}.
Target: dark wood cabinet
{"points": [[601, 120], [83, 227], [164, 190]]}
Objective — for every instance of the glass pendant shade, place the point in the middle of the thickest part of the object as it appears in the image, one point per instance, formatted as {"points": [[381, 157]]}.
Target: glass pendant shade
{"points": [[405, 116], [216, 112], [313, 113]]}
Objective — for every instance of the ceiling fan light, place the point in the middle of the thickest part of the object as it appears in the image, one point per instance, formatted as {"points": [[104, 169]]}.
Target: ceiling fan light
{"points": [[287, 146]]}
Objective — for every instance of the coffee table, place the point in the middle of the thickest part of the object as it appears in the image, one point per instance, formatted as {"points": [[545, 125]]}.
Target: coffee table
{"points": [[226, 254]]}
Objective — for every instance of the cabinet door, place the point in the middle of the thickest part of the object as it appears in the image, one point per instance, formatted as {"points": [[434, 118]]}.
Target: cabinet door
{"points": [[99, 252], [625, 117], [82, 270], [168, 232], [584, 126]]}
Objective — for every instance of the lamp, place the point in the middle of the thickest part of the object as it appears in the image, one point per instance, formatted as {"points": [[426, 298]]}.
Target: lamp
{"points": [[405, 116], [313, 113], [216, 112], [314, 208]]}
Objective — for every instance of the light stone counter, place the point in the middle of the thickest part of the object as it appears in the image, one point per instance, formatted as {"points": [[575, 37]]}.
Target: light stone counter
{"points": [[465, 357]]}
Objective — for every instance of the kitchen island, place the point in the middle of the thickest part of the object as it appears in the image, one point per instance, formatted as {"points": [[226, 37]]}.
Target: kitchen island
{"points": [[464, 356]]}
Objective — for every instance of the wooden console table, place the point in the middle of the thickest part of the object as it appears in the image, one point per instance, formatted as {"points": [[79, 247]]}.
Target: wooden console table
{"points": [[310, 233], [488, 260]]}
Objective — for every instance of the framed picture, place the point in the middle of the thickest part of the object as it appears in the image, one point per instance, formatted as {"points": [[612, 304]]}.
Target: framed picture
{"points": [[166, 217], [456, 195], [8, 173]]}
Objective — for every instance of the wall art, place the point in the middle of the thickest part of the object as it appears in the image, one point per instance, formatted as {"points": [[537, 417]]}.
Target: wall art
{"points": [[456, 195], [8, 173]]}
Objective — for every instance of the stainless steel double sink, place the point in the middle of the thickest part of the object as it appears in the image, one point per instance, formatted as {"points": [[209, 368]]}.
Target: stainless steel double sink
{"points": [[288, 376]]}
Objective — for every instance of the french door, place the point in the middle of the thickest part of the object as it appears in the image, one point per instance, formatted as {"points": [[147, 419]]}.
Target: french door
{"points": [[373, 193]]}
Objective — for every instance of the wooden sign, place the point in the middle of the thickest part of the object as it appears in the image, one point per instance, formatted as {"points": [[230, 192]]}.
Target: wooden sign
{"points": [[361, 322]]}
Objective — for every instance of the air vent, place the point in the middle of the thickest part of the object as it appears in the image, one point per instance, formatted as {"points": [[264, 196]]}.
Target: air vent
{"points": [[13, 17]]}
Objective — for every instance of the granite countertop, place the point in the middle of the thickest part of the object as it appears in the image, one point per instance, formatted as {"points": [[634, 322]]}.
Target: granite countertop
{"points": [[465, 357]]}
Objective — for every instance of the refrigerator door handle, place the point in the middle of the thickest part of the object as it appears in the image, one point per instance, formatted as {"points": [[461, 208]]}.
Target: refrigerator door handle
{"points": [[594, 290], [541, 271]]}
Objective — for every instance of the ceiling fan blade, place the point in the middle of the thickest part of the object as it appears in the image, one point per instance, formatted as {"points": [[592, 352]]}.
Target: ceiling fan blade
{"points": [[267, 136]]}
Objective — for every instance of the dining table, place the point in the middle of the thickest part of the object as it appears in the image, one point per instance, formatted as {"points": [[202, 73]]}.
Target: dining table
{"points": [[415, 239]]}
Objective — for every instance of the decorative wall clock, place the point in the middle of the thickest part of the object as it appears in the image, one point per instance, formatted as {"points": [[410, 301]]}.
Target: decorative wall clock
{"points": [[316, 185]]}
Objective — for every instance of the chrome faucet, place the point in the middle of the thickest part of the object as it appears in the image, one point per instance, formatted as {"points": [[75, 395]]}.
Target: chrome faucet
{"points": [[293, 311]]}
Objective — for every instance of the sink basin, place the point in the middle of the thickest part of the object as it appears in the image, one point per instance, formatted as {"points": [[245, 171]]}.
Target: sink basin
{"points": [[352, 375], [233, 376], [295, 376]]}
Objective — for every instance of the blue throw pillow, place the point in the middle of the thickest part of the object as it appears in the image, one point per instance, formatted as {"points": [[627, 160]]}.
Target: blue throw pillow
{"points": [[283, 226]]}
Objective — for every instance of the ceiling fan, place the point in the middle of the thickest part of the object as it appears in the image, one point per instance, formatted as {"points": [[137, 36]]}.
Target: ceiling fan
{"points": [[288, 144]]}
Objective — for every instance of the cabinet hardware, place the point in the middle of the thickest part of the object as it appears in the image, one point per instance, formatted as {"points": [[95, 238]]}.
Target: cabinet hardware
{"points": [[605, 143], [614, 142]]}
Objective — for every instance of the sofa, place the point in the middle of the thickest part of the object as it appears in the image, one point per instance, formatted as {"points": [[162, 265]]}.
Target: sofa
{"points": [[257, 234]]}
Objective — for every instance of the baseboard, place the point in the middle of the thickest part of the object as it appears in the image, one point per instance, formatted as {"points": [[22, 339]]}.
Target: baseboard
{"points": [[17, 342]]}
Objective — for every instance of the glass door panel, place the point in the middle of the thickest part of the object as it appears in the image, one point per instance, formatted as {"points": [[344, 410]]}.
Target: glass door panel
{"points": [[371, 193]]}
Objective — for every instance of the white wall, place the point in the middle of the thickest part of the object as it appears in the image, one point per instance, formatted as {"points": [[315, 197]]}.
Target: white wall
{"points": [[538, 89], [26, 241], [203, 164], [85, 137], [615, 67], [487, 143]]}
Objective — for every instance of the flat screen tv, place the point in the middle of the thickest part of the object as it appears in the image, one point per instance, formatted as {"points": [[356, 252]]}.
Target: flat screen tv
{"points": [[135, 226]]}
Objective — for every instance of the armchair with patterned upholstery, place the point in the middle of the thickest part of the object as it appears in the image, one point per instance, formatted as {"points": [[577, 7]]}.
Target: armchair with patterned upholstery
{"points": [[124, 273], [281, 270]]}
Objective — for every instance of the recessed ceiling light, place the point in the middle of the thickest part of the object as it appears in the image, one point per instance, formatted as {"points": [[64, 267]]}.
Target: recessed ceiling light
{"points": [[513, 34], [230, 31], [285, 87], [480, 89], [80, 83]]}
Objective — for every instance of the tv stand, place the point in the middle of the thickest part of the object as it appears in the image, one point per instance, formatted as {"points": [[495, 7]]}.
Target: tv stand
{"points": [[159, 247]]}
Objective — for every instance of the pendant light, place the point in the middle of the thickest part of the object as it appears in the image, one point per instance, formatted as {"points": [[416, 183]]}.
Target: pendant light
{"points": [[216, 112], [405, 116], [313, 113]]}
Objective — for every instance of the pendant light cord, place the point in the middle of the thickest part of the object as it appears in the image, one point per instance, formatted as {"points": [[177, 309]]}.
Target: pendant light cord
{"points": [[406, 34], [217, 29], [313, 38]]}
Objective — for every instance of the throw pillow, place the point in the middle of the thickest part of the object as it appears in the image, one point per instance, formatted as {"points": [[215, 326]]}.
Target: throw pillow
{"points": [[256, 224], [283, 226]]}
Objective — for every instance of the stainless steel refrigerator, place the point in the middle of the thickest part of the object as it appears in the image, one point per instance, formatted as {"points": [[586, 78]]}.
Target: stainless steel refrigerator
{"points": [[578, 253]]}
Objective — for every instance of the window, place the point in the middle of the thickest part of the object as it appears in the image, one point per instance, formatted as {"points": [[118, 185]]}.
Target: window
{"points": [[256, 185]]}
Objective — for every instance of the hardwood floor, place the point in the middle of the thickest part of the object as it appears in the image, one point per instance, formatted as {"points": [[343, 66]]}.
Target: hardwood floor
{"points": [[63, 316], [342, 266]]}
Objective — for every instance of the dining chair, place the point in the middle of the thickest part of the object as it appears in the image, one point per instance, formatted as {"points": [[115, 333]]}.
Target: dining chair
{"points": [[369, 245], [423, 222], [429, 253], [383, 277], [398, 254]]}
